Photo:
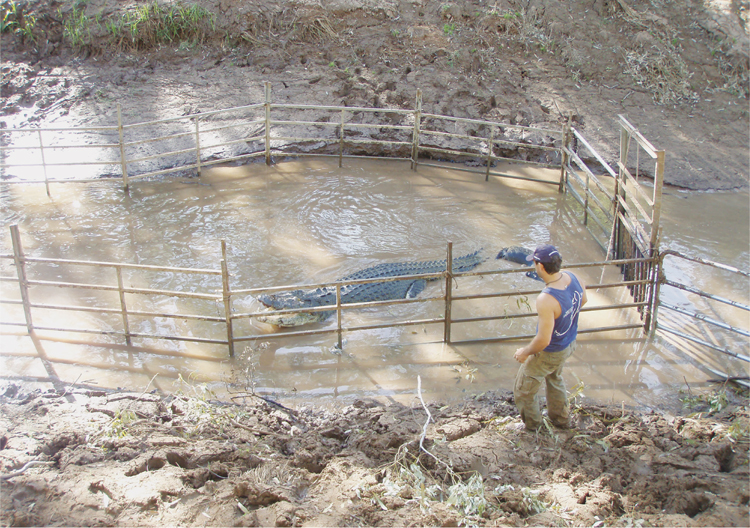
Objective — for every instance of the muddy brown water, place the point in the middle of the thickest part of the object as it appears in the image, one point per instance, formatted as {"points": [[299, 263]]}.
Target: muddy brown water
{"points": [[311, 221]]}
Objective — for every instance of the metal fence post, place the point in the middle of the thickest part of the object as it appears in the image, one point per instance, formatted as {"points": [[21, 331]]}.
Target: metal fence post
{"points": [[565, 159], [489, 154], [586, 201], [123, 161], [123, 306], [448, 293], [656, 291], [341, 140], [415, 139], [197, 146], [23, 284], [44, 163], [268, 122], [339, 316], [226, 296], [656, 210]]}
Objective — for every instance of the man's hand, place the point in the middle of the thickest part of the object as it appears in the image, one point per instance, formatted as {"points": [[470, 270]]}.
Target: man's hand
{"points": [[522, 354]]}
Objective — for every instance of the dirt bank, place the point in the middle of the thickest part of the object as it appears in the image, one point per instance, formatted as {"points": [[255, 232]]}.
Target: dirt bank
{"points": [[677, 70], [141, 459]]}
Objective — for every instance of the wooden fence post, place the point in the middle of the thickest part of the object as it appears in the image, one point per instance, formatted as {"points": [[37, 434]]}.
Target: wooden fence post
{"points": [[23, 284], [448, 293], [268, 122], [123, 306], [123, 161], [226, 295], [417, 123]]}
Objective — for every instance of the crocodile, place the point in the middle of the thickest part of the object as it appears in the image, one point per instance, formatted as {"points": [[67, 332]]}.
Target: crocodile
{"points": [[356, 293], [519, 255]]}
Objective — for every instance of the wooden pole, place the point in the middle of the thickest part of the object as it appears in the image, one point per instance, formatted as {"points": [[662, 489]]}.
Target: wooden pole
{"points": [[44, 163], [227, 296], [417, 124], [448, 293], [23, 284], [123, 306], [268, 122]]}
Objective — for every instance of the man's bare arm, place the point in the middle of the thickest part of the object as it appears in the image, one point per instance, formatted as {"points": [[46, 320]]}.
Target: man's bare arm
{"points": [[545, 306]]}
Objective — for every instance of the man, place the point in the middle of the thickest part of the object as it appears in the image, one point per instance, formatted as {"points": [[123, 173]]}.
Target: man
{"points": [[542, 360]]}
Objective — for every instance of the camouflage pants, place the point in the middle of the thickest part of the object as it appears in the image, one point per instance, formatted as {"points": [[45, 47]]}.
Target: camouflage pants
{"points": [[544, 367]]}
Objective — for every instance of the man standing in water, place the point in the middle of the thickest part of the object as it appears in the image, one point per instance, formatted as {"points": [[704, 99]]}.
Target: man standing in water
{"points": [[542, 360]]}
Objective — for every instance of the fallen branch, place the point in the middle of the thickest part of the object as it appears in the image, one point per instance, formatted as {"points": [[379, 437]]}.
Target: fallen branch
{"points": [[247, 428], [424, 429]]}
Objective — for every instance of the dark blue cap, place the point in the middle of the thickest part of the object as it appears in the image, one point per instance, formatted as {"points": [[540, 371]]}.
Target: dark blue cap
{"points": [[545, 253]]}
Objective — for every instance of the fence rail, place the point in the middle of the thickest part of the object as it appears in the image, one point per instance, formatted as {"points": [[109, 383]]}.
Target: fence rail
{"points": [[230, 315]]}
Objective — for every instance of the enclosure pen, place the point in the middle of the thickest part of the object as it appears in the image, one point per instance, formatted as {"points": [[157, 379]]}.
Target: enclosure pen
{"points": [[618, 208]]}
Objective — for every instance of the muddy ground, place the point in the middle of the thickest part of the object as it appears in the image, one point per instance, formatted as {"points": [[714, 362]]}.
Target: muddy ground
{"points": [[143, 459], [676, 70]]}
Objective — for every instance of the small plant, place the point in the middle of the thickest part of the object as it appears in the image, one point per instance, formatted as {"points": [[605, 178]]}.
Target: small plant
{"points": [[576, 393], [523, 302], [13, 20], [449, 28], [468, 497], [76, 27], [532, 501], [716, 401]]}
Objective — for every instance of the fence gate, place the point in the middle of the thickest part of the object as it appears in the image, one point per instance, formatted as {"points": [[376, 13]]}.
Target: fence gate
{"points": [[622, 212]]}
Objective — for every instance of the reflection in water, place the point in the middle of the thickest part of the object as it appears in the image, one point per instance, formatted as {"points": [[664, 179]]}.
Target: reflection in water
{"points": [[309, 221]]}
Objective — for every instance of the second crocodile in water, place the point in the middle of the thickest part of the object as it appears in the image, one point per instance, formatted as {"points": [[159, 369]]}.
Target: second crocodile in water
{"points": [[357, 293]]}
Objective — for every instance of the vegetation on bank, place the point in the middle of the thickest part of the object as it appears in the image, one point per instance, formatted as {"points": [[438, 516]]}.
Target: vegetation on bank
{"points": [[477, 40]]}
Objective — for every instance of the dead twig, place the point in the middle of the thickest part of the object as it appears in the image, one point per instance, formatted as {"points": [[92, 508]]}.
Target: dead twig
{"points": [[24, 468]]}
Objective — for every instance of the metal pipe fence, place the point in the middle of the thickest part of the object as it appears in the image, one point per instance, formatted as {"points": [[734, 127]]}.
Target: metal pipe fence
{"points": [[121, 304], [701, 318], [188, 144], [618, 207]]}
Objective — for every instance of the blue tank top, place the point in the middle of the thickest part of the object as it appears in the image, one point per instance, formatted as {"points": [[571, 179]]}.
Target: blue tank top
{"points": [[566, 326]]}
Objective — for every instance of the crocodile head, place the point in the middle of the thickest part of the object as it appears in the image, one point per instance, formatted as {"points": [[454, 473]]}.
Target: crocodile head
{"points": [[293, 319]]}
